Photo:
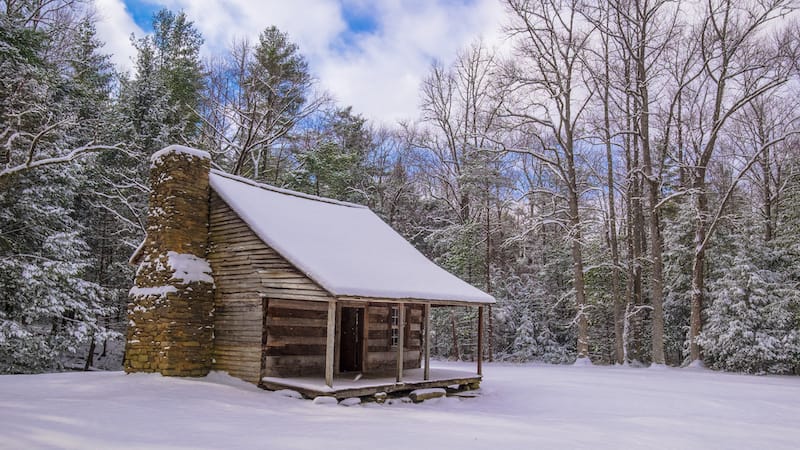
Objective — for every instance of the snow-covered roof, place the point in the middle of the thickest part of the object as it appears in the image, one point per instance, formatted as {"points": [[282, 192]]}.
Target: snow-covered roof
{"points": [[343, 247]]}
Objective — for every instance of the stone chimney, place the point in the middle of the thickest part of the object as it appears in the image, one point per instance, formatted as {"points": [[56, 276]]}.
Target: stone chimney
{"points": [[170, 314]]}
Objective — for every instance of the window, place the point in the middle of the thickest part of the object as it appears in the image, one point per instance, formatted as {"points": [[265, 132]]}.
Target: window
{"points": [[395, 324]]}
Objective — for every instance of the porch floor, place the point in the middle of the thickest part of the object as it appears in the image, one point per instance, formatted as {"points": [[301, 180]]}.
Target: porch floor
{"points": [[346, 385]]}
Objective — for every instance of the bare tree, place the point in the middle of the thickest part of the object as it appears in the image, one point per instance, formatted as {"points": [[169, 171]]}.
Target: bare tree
{"points": [[551, 41], [643, 30], [735, 72], [761, 125], [599, 63], [459, 128]]}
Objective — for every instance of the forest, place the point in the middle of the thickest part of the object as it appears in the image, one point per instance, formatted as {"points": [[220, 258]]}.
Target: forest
{"points": [[622, 176]]}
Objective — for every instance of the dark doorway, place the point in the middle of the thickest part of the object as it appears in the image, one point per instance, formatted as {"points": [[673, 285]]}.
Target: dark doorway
{"points": [[350, 357]]}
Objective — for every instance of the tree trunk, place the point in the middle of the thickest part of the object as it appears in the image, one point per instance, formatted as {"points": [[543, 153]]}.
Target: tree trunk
{"points": [[456, 351], [613, 243], [491, 335], [698, 264], [657, 285], [619, 301], [489, 270], [653, 194], [639, 240], [577, 268], [630, 228], [766, 175], [90, 356]]}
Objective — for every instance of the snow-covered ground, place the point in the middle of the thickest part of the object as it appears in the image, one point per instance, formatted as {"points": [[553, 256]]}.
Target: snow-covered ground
{"points": [[521, 407]]}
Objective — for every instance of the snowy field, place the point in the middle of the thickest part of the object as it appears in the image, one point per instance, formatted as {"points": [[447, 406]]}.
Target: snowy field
{"points": [[521, 407]]}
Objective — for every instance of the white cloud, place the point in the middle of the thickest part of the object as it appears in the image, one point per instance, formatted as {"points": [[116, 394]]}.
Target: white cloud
{"points": [[312, 24], [381, 75], [378, 72], [114, 27]]}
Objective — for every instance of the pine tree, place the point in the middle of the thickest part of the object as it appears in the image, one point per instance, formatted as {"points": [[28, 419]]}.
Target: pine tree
{"points": [[536, 329], [53, 93], [337, 164], [159, 103], [48, 307], [678, 234], [751, 324], [255, 98], [106, 242]]}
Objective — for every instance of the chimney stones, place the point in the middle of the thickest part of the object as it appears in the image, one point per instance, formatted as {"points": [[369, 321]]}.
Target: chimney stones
{"points": [[170, 314]]}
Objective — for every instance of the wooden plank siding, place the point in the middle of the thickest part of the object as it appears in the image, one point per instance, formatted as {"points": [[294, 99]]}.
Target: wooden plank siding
{"points": [[297, 338], [249, 274], [237, 299]]}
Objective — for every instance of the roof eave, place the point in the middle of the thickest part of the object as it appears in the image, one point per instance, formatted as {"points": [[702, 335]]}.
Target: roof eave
{"points": [[421, 301]]}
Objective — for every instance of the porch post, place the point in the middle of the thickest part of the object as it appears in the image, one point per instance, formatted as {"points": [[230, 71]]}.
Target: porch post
{"points": [[480, 340], [330, 344], [427, 341], [401, 328]]}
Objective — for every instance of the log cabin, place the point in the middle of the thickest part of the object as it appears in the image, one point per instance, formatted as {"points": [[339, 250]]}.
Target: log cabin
{"points": [[282, 289]]}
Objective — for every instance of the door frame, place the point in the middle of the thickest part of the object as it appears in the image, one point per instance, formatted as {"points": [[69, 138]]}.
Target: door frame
{"points": [[363, 328]]}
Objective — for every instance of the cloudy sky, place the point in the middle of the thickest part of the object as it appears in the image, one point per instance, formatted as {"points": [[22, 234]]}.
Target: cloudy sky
{"points": [[371, 54]]}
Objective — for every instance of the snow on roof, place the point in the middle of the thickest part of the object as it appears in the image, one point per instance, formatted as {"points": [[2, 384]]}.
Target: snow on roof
{"points": [[178, 149], [344, 247]]}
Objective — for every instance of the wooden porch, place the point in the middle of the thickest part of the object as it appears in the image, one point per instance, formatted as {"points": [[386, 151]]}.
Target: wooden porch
{"points": [[346, 385], [359, 382]]}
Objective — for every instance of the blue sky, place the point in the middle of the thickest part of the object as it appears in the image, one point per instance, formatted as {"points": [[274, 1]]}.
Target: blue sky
{"points": [[142, 13], [371, 54], [359, 20]]}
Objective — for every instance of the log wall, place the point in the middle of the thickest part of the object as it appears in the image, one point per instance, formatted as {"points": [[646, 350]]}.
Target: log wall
{"points": [[381, 356], [234, 254], [249, 275], [296, 338]]}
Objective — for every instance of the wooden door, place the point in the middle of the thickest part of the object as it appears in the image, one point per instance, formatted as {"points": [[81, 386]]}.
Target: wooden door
{"points": [[352, 334]]}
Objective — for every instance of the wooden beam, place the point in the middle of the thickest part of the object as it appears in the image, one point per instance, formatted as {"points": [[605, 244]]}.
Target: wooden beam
{"points": [[406, 300], [480, 340], [365, 340], [427, 342], [337, 348], [401, 328], [330, 345], [264, 328]]}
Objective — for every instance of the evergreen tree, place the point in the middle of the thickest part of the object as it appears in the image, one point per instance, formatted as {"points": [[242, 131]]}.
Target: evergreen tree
{"points": [[161, 100], [677, 271], [751, 324], [48, 306], [337, 165], [53, 84], [254, 100], [532, 322]]}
